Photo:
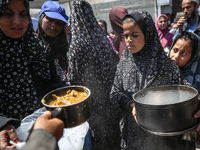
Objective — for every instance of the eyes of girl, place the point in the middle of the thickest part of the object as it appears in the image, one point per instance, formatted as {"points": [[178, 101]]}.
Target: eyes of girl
{"points": [[165, 21], [57, 22], [182, 52], [133, 35]]}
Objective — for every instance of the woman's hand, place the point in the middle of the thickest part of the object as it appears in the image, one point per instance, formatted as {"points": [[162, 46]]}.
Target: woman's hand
{"points": [[7, 134]]}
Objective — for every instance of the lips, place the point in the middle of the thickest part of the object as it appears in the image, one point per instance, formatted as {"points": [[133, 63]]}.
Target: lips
{"points": [[16, 29]]}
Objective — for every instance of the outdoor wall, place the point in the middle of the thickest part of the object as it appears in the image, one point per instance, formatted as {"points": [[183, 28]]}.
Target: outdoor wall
{"points": [[102, 8]]}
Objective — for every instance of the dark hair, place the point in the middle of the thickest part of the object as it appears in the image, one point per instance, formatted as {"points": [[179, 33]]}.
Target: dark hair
{"points": [[191, 38]]}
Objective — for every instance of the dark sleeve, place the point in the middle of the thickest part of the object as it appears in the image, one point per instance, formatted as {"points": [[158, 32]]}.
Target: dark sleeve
{"points": [[4, 121], [119, 95], [40, 139], [44, 86]]}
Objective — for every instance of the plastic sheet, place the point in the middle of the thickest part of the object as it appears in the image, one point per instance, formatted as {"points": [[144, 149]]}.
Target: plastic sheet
{"points": [[72, 139]]}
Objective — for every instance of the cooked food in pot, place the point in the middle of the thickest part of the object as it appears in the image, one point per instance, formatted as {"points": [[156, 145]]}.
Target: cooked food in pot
{"points": [[71, 97]]}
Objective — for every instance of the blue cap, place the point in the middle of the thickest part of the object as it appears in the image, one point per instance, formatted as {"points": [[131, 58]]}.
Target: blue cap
{"points": [[54, 10]]}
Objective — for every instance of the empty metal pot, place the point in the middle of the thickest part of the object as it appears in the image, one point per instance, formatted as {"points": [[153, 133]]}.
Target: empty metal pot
{"points": [[167, 110]]}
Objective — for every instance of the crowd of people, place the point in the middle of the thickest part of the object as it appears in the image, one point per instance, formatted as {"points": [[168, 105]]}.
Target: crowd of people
{"points": [[77, 49]]}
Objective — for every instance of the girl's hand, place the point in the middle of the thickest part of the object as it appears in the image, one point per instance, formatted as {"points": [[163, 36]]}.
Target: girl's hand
{"points": [[132, 105]]}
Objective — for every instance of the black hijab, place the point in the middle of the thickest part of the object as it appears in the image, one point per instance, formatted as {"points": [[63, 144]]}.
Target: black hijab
{"points": [[92, 64], [20, 59]]}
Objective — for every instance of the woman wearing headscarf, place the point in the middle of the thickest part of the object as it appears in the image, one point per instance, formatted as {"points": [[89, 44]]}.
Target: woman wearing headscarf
{"points": [[163, 32], [102, 23], [52, 22], [143, 64], [185, 52], [116, 15], [25, 73], [92, 64]]}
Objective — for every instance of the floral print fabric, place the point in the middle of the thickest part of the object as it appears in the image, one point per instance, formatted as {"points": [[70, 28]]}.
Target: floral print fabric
{"points": [[19, 58], [92, 64], [136, 71]]}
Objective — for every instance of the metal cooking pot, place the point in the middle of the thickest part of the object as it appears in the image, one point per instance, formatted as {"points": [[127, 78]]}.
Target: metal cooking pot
{"points": [[167, 110], [74, 114]]}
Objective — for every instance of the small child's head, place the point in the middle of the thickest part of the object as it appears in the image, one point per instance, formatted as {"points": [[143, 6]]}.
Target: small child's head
{"points": [[183, 49]]}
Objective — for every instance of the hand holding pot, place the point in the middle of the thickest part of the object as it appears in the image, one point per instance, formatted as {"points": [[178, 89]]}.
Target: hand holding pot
{"points": [[132, 105], [197, 115], [55, 125]]}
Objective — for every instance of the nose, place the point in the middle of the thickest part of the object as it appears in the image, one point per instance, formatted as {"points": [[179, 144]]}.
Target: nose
{"points": [[176, 56], [53, 24], [16, 19]]}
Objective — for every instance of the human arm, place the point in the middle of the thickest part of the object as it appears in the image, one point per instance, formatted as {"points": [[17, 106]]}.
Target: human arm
{"points": [[119, 95], [46, 132], [180, 23], [7, 131]]}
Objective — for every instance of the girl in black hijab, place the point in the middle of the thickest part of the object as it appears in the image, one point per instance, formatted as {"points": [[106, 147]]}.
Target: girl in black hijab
{"points": [[143, 64]]}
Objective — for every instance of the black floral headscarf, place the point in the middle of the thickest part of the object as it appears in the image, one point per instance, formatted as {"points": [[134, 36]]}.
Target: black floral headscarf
{"points": [[20, 59], [92, 64]]}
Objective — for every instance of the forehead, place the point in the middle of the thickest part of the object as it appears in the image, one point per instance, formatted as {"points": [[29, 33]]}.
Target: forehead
{"points": [[187, 3], [162, 18], [16, 4], [184, 43]]}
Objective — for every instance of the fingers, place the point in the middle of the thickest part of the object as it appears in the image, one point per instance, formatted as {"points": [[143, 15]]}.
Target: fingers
{"points": [[4, 141], [13, 136], [47, 115], [197, 115]]}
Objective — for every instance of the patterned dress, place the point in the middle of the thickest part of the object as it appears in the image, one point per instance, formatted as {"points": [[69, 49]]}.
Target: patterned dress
{"points": [[149, 67], [24, 67], [92, 63]]}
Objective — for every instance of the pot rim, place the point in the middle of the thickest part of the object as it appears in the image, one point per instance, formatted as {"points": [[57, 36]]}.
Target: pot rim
{"points": [[65, 87], [162, 86]]}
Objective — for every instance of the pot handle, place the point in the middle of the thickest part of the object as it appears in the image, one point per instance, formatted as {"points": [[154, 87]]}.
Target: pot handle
{"points": [[59, 113]]}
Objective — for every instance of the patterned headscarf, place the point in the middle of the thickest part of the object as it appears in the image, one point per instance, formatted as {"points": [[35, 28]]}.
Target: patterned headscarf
{"points": [[136, 71], [191, 71], [20, 58], [92, 64], [164, 35]]}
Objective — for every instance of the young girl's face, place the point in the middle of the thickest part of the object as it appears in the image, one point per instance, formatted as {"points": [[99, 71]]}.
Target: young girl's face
{"points": [[134, 37], [181, 52], [162, 23]]}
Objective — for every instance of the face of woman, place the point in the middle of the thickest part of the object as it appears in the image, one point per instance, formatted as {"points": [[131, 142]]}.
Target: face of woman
{"points": [[134, 37], [181, 52], [52, 27], [14, 21], [162, 23], [102, 26]]}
